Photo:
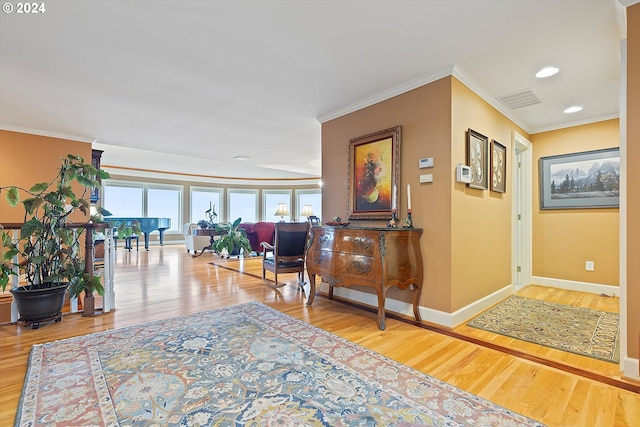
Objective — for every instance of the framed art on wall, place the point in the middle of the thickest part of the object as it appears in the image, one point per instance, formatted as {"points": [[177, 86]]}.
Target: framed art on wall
{"points": [[590, 179], [498, 167], [374, 172], [477, 159]]}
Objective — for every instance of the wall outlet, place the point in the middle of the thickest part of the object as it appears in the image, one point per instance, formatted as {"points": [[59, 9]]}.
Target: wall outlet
{"points": [[426, 178], [589, 266]]}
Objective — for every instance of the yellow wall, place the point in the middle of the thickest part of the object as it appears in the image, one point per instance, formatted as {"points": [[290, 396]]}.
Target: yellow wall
{"points": [[27, 159], [564, 239], [480, 219], [633, 178]]}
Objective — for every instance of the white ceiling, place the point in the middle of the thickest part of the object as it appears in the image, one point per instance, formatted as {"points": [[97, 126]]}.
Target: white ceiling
{"points": [[204, 81]]}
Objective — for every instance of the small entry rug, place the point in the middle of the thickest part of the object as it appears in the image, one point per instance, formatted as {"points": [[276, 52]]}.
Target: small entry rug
{"points": [[242, 365], [577, 330]]}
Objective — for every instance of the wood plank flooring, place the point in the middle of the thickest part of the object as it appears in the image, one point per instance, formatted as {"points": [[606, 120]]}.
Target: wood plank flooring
{"points": [[166, 282]]}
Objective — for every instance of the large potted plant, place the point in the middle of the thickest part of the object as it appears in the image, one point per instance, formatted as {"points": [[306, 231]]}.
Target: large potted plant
{"points": [[233, 239], [48, 249]]}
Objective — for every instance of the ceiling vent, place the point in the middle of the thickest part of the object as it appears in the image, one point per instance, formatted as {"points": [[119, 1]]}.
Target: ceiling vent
{"points": [[520, 99]]}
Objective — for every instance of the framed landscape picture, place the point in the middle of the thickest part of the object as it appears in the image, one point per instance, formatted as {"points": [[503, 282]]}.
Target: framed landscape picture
{"points": [[374, 171], [590, 179], [477, 159]]}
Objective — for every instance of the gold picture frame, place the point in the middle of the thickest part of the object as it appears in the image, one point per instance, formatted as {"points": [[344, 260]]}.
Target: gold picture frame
{"points": [[374, 173], [498, 171], [478, 159]]}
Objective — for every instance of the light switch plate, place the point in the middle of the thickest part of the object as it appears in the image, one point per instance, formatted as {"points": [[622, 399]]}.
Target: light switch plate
{"points": [[426, 178]]}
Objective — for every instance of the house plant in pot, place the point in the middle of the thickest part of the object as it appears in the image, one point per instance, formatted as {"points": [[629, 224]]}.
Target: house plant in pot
{"points": [[233, 239], [48, 248]]}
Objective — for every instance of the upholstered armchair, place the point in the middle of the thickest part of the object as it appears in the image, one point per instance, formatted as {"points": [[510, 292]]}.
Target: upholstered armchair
{"points": [[287, 254], [192, 242]]}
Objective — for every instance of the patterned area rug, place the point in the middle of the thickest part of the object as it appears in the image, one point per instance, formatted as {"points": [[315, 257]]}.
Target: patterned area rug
{"points": [[243, 365], [577, 330]]}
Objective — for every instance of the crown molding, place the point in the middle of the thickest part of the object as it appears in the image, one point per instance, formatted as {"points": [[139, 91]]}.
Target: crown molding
{"points": [[469, 82], [41, 132], [453, 70], [577, 123], [627, 3], [126, 172], [390, 93]]}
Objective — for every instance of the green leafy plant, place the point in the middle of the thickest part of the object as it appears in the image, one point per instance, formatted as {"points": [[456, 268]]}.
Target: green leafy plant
{"points": [[49, 245], [232, 237]]}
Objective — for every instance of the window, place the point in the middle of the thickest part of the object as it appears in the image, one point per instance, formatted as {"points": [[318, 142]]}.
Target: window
{"points": [[309, 197], [270, 200], [165, 203], [243, 204], [201, 199], [123, 201], [139, 200]]}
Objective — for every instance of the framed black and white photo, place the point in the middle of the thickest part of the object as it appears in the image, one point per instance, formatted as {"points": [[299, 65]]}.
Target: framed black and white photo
{"points": [[590, 179]]}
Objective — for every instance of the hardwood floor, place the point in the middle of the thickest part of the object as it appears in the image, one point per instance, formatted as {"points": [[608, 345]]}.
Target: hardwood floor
{"points": [[166, 282]]}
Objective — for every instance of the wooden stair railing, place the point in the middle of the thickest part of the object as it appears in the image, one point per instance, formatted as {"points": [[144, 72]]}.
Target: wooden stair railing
{"points": [[88, 306]]}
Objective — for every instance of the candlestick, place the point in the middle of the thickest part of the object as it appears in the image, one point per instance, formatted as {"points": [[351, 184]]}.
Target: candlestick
{"points": [[393, 198], [408, 221], [408, 196], [393, 222]]}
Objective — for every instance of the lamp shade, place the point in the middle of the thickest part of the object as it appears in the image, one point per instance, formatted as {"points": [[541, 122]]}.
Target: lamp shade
{"points": [[282, 210], [306, 211]]}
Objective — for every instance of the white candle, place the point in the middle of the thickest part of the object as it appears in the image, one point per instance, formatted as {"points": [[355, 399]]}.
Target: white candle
{"points": [[393, 198], [408, 196]]}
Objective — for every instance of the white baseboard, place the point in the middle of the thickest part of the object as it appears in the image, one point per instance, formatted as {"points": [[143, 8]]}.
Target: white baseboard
{"points": [[449, 320], [573, 285], [630, 368]]}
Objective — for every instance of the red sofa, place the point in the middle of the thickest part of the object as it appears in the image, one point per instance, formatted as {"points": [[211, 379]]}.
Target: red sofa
{"points": [[259, 232]]}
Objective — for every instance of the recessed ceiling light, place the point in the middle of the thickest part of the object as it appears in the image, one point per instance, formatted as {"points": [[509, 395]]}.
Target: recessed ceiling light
{"points": [[241, 157], [547, 72], [573, 109]]}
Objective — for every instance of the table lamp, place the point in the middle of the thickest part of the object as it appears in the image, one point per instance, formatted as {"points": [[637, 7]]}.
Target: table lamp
{"points": [[282, 211], [307, 211]]}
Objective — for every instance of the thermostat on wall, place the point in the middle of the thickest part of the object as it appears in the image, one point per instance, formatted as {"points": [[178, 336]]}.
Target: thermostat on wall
{"points": [[463, 173]]}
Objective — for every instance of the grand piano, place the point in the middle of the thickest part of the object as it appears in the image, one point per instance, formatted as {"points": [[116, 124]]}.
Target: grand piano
{"points": [[147, 225]]}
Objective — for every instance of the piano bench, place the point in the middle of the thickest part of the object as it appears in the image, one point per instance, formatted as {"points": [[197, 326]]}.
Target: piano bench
{"points": [[127, 242]]}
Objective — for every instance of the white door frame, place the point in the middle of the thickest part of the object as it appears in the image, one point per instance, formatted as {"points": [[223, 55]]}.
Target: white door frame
{"points": [[521, 226]]}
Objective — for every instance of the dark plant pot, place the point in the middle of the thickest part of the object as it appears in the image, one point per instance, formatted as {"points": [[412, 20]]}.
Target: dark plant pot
{"points": [[235, 252], [40, 304]]}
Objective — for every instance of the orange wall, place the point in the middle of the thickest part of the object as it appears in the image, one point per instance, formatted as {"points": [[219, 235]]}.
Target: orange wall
{"points": [[424, 115], [481, 219], [27, 159], [564, 239], [633, 178]]}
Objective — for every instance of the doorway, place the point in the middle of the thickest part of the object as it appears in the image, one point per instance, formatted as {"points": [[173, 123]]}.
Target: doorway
{"points": [[521, 211]]}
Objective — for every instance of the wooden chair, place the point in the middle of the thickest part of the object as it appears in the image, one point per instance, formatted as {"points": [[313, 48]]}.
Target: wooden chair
{"points": [[287, 253]]}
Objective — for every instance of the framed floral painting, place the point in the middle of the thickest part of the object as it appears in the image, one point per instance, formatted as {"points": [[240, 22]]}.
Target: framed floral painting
{"points": [[374, 174]]}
